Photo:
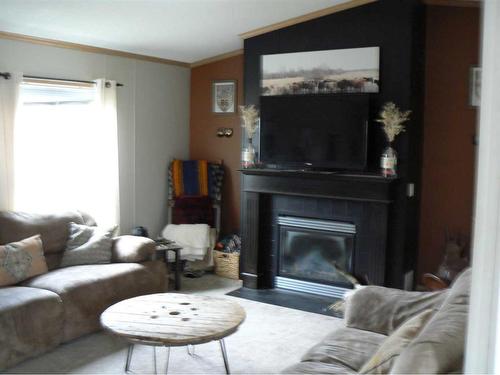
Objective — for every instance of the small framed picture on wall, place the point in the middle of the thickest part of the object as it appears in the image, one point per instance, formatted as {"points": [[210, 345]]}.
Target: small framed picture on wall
{"points": [[224, 96]]}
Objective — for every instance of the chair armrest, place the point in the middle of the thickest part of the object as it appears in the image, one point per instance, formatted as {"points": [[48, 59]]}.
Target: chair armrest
{"points": [[382, 310], [132, 249]]}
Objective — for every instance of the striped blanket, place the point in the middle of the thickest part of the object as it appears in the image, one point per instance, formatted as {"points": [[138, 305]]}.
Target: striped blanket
{"points": [[190, 178]]}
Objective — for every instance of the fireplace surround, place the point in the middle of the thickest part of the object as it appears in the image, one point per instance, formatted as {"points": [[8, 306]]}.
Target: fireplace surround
{"points": [[275, 205]]}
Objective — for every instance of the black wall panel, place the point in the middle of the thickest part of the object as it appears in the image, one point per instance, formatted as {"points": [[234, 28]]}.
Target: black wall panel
{"points": [[396, 27]]}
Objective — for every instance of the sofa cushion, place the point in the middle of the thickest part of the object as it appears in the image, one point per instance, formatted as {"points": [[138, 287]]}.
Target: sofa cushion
{"points": [[318, 368], [383, 359], [31, 322], [15, 226], [21, 260], [88, 290], [53, 260], [87, 245], [383, 310], [439, 348], [346, 347]]}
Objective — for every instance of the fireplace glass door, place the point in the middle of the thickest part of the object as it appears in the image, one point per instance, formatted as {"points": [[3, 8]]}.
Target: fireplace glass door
{"points": [[320, 256]]}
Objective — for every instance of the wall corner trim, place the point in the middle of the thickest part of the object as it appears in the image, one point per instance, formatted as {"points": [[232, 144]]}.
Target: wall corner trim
{"points": [[222, 56], [306, 17], [87, 48]]}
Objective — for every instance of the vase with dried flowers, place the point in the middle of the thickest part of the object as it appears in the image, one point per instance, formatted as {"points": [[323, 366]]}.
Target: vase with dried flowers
{"points": [[250, 116], [392, 119]]}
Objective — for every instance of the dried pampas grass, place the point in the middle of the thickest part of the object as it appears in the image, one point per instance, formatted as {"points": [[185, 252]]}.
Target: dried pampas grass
{"points": [[249, 115], [392, 119]]}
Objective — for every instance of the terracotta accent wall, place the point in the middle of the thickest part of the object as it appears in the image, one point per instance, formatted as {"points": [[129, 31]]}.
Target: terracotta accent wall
{"points": [[452, 47], [204, 144]]}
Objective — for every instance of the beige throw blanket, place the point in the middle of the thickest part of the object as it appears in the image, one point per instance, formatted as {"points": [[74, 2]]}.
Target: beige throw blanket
{"points": [[195, 240]]}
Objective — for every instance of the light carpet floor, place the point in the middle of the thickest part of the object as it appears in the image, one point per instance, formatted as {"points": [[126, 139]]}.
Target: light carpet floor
{"points": [[270, 339]]}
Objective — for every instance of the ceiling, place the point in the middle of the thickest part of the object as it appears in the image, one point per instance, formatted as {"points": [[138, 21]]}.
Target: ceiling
{"points": [[182, 30]]}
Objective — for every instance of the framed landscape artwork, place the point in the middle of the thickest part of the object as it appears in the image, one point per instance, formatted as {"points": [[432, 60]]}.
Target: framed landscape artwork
{"points": [[224, 96], [353, 70]]}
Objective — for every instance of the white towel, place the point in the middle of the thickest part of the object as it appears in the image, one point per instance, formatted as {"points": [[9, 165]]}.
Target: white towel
{"points": [[195, 239]]}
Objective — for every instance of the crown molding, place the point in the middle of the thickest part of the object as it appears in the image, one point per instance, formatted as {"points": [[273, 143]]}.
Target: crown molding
{"points": [[305, 17], [87, 48], [217, 58]]}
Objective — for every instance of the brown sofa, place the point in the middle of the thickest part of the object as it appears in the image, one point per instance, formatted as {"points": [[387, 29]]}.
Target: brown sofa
{"points": [[373, 314], [42, 312]]}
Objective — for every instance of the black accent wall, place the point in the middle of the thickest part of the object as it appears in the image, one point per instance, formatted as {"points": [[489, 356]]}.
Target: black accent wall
{"points": [[396, 26]]}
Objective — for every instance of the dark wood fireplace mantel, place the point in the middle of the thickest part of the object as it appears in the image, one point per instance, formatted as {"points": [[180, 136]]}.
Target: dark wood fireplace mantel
{"points": [[361, 187], [359, 198]]}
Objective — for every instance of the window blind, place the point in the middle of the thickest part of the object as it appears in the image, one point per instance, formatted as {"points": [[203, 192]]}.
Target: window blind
{"points": [[56, 94]]}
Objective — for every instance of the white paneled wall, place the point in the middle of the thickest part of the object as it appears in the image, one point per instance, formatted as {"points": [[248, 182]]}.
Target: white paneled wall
{"points": [[153, 118]]}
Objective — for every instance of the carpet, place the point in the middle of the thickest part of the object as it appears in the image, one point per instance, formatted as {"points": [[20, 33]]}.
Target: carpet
{"points": [[270, 339]]}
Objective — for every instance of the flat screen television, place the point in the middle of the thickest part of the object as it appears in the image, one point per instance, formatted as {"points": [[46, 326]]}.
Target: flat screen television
{"points": [[314, 131]]}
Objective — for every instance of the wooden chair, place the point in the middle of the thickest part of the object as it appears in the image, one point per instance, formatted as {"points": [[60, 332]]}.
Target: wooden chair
{"points": [[216, 179]]}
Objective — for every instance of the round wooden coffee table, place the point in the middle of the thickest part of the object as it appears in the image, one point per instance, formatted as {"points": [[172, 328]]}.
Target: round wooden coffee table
{"points": [[171, 319]]}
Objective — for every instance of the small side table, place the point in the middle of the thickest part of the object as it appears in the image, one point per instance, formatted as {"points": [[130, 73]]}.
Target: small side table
{"points": [[165, 248]]}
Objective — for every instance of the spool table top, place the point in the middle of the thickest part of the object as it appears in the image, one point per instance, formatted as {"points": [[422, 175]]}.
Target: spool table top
{"points": [[172, 319]]}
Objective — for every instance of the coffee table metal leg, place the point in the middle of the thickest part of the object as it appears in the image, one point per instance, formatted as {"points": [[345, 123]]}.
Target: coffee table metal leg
{"points": [[154, 358], [224, 355], [177, 270], [168, 358], [129, 357]]}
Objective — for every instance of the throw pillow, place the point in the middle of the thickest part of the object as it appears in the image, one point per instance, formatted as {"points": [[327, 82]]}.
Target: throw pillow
{"points": [[88, 245], [21, 260], [383, 359]]}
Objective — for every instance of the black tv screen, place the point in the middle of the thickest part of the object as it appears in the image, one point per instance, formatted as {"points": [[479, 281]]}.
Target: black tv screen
{"points": [[318, 131]]}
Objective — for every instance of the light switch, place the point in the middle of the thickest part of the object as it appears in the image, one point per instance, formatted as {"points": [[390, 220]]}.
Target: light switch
{"points": [[410, 190]]}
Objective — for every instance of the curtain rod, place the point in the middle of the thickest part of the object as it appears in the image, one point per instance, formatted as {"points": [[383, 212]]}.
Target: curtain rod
{"points": [[7, 75]]}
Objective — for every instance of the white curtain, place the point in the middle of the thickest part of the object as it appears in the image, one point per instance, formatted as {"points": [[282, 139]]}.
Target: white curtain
{"points": [[106, 99], [9, 100], [65, 150]]}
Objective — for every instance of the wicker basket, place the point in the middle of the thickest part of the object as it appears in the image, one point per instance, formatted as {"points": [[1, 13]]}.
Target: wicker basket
{"points": [[227, 264]]}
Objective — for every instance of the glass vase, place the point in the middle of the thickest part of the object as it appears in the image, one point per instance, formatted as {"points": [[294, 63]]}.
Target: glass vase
{"points": [[389, 162], [248, 155]]}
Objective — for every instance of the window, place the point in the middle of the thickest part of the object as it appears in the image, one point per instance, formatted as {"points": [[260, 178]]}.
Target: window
{"points": [[65, 150]]}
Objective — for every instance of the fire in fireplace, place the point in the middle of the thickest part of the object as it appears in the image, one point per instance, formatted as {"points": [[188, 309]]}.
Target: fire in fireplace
{"points": [[315, 256]]}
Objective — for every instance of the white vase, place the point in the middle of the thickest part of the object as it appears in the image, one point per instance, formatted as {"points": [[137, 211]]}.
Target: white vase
{"points": [[389, 162], [248, 155]]}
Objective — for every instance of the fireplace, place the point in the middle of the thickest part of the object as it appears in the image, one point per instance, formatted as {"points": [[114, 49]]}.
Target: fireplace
{"points": [[350, 213], [315, 255]]}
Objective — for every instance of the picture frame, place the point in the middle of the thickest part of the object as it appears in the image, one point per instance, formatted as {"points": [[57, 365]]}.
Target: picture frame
{"points": [[344, 71], [475, 86], [224, 96]]}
